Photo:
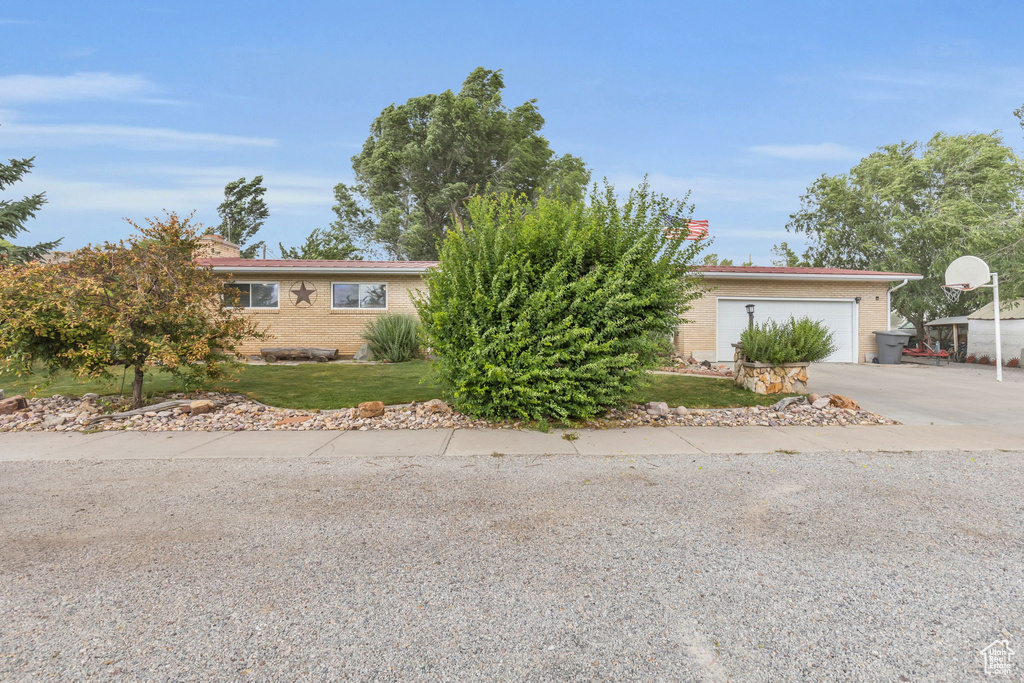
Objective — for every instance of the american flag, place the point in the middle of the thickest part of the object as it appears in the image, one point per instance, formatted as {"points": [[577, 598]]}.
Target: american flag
{"points": [[694, 230]]}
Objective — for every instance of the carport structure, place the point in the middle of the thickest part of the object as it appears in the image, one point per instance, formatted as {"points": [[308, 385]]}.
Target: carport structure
{"points": [[949, 332]]}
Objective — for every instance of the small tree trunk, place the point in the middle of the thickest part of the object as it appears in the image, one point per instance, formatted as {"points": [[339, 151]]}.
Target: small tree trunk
{"points": [[921, 334], [137, 387]]}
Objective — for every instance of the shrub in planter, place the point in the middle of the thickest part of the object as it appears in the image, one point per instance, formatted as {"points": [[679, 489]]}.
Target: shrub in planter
{"points": [[393, 337], [795, 341], [983, 360], [970, 359], [1013, 363], [556, 310]]}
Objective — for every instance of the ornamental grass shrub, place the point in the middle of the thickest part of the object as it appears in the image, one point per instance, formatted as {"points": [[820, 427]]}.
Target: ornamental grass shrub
{"points": [[555, 310], [794, 341], [394, 337]]}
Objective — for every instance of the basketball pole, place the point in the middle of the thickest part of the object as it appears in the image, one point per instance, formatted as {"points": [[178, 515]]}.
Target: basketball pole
{"points": [[999, 342]]}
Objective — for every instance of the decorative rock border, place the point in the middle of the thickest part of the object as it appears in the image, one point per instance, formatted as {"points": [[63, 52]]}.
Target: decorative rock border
{"points": [[239, 413], [688, 365]]}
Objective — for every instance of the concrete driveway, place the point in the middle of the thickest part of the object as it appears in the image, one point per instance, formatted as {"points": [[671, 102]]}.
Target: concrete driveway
{"points": [[926, 394]]}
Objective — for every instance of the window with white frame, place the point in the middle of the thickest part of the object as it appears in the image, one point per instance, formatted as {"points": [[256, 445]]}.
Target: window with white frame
{"points": [[254, 294], [365, 295]]}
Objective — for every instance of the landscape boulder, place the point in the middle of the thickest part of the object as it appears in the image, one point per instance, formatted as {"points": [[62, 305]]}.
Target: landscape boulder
{"points": [[90, 396], [436, 405], [9, 406], [371, 409], [844, 402], [202, 407], [681, 410], [657, 408], [363, 354], [821, 403], [811, 398]]}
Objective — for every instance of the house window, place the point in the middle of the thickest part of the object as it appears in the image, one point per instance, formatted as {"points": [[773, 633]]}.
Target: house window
{"points": [[371, 295], [255, 294]]}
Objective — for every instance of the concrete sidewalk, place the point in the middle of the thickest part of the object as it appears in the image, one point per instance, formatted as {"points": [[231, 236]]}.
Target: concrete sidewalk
{"points": [[638, 441]]}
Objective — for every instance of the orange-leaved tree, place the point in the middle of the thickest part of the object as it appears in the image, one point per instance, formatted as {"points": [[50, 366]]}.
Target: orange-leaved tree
{"points": [[142, 301]]}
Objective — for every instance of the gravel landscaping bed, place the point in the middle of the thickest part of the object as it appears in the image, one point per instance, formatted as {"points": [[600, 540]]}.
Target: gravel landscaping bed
{"points": [[239, 413]]}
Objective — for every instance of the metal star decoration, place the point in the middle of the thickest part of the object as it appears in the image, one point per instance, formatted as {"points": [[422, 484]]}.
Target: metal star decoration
{"points": [[302, 294]]}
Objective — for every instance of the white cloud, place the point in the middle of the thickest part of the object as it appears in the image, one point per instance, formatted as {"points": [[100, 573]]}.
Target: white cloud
{"points": [[148, 194], [781, 195], [892, 85], [824, 151], [131, 137], [79, 86], [78, 52], [120, 198]]}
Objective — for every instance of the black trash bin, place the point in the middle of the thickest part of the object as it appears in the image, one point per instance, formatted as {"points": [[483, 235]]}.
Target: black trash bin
{"points": [[890, 345]]}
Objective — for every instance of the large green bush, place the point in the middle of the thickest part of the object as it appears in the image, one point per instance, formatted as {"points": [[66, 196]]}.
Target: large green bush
{"points": [[795, 341], [555, 310], [393, 337]]}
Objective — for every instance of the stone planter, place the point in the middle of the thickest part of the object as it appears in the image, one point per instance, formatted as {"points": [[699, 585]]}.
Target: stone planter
{"points": [[765, 378]]}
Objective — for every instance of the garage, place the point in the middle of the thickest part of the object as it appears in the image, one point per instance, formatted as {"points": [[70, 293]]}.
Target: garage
{"points": [[840, 315]]}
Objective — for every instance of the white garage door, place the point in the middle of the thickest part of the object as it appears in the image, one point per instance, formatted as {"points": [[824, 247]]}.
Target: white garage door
{"points": [[838, 314]]}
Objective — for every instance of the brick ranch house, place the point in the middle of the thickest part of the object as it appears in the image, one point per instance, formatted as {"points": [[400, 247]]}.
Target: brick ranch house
{"points": [[327, 303]]}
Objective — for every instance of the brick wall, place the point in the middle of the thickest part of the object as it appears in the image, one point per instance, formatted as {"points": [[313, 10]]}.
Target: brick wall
{"points": [[699, 338], [215, 246], [317, 324]]}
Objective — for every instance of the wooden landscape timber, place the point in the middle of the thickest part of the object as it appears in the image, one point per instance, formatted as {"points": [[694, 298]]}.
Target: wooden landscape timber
{"points": [[272, 355]]}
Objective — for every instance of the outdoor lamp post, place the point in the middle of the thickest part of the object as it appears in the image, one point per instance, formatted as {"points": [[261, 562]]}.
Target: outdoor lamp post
{"points": [[750, 315]]}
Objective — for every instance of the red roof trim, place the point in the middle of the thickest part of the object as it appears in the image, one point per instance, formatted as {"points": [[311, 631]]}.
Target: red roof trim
{"points": [[785, 270], [270, 264], [273, 264]]}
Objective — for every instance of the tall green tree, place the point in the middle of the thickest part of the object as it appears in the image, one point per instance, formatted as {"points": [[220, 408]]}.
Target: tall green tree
{"points": [[1003, 247], [335, 243], [15, 212], [242, 213], [914, 207], [329, 244], [426, 158], [786, 256], [713, 260]]}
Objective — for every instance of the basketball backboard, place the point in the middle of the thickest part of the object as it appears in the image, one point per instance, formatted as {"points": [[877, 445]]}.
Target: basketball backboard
{"points": [[968, 272]]}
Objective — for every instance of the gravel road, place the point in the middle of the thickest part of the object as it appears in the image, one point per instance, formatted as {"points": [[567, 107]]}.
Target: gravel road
{"points": [[864, 567]]}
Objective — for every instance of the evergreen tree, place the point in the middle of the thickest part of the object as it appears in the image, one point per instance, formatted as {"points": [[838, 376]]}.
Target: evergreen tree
{"points": [[15, 212]]}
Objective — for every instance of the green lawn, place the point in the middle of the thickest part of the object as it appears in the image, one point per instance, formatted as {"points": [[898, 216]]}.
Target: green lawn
{"points": [[329, 385]]}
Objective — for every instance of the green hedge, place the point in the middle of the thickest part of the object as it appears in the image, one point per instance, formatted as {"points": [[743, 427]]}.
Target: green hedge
{"points": [[794, 341], [555, 310]]}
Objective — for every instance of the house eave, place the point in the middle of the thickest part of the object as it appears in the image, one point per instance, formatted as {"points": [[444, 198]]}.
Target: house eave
{"points": [[321, 271], [857, 277]]}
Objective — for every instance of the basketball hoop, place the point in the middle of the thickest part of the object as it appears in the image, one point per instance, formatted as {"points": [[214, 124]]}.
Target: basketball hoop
{"points": [[953, 292], [970, 272]]}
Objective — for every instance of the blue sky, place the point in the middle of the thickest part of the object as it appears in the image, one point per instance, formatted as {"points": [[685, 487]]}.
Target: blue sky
{"points": [[134, 107]]}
